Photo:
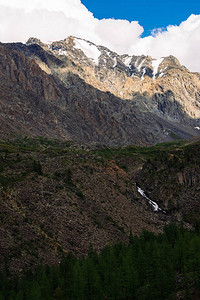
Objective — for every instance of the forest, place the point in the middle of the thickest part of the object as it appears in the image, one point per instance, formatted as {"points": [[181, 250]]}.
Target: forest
{"points": [[163, 266]]}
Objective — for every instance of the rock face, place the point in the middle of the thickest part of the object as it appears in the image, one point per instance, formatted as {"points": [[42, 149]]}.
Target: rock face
{"points": [[76, 90], [124, 75]]}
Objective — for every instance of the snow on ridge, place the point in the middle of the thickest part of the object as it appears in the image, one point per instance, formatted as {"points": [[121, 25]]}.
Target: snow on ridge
{"points": [[136, 62], [58, 51], [127, 61], [108, 53], [88, 49], [198, 128], [155, 65], [115, 62], [62, 52], [140, 65]]}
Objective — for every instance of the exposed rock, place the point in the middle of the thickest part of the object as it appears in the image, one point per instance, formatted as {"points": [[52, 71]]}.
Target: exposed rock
{"points": [[125, 75], [56, 90]]}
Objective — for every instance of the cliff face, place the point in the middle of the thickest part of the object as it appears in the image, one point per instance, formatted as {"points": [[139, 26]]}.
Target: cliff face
{"points": [[76, 90], [27, 95]]}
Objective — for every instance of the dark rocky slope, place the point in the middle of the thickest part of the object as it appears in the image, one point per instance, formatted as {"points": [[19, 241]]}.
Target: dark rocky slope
{"points": [[58, 196], [172, 177]]}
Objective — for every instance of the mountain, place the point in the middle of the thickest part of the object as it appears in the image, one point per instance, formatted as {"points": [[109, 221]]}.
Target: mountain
{"points": [[70, 176], [124, 76], [75, 90]]}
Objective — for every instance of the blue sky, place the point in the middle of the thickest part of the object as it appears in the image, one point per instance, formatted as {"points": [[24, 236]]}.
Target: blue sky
{"points": [[149, 14]]}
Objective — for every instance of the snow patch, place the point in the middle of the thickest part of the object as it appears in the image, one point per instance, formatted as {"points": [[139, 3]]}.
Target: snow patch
{"points": [[88, 49], [140, 65], [127, 61], [197, 127], [152, 203], [155, 65], [161, 74], [107, 53], [115, 62], [136, 62], [62, 52], [143, 73], [57, 51]]}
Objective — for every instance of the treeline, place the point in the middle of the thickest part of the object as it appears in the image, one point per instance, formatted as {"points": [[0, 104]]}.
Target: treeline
{"points": [[149, 267]]}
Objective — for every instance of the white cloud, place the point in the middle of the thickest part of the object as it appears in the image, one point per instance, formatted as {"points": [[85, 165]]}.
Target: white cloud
{"points": [[45, 19], [56, 19], [118, 34], [182, 41]]}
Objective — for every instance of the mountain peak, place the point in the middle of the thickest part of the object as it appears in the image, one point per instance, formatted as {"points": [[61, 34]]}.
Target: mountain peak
{"points": [[33, 40], [123, 75], [88, 52]]}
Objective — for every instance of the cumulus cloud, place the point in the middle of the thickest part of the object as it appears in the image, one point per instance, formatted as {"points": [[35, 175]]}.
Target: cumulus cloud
{"points": [[182, 41], [45, 19], [51, 20], [118, 34]]}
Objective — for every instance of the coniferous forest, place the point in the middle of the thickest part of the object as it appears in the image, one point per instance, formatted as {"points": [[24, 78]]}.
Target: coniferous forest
{"points": [[164, 266]]}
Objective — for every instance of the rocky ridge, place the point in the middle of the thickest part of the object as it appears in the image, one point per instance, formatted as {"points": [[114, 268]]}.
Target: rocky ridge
{"points": [[76, 90], [125, 75]]}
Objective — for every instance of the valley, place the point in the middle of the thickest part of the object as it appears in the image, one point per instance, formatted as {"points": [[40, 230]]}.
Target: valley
{"points": [[62, 196], [97, 150]]}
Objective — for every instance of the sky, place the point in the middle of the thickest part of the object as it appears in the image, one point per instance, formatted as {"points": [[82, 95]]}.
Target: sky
{"points": [[150, 14], [155, 28]]}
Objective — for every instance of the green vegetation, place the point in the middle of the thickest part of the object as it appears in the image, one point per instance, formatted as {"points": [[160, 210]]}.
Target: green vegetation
{"points": [[149, 267], [53, 147], [140, 152], [37, 143], [36, 167]]}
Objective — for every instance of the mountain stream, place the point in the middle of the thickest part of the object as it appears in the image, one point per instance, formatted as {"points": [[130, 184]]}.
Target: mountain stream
{"points": [[152, 203]]}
